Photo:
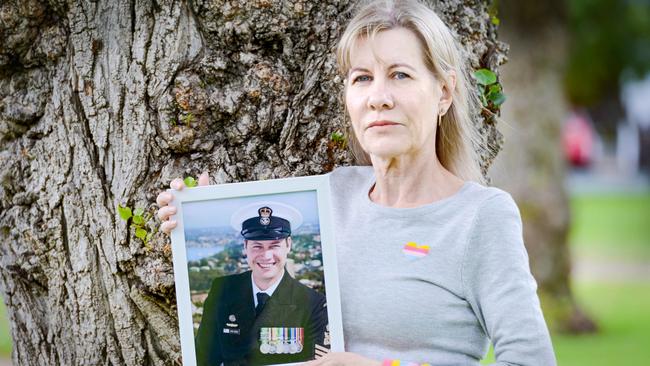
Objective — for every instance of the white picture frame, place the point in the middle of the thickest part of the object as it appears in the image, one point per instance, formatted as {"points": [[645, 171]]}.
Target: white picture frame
{"points": [[194, 205]]}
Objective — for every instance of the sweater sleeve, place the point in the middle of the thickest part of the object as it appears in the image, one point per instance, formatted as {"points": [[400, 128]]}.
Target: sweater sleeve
{"points": [[500, 287]]}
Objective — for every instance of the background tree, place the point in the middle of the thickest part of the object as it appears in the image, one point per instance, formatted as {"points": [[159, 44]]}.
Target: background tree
{"points": [[104, 102], [531, 165], [608, 46]]}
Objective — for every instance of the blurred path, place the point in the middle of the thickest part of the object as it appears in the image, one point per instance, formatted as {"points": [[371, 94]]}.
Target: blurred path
{"points": [[5, 362], [605, 177], [610, 270]]}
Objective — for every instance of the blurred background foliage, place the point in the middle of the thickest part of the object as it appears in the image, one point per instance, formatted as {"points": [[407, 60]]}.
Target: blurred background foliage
{"points": [[609, 43], [576, 125]]}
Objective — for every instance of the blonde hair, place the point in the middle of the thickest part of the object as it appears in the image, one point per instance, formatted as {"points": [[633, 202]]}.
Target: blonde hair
{"points": [[457, 135]]}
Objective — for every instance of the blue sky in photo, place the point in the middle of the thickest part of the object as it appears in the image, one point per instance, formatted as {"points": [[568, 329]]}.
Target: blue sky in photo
{"points": [[216, 213]]}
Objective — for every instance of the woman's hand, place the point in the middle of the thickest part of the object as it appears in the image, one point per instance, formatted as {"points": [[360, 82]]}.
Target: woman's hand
{"points": [[343, 359], [163, 199]]}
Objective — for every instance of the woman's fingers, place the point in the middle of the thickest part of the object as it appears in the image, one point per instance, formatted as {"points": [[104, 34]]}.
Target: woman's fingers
{"points": [[342, 359], [165, 212], [164, 198], [177, 184], [204, 179], [168, 226]]}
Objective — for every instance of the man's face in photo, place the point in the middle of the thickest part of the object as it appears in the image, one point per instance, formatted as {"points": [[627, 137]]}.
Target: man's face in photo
{"points": [[266, 258]]}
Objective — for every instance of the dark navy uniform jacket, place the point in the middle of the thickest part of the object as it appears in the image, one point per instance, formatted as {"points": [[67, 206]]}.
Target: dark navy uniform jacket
{"points": [[237, 342]]}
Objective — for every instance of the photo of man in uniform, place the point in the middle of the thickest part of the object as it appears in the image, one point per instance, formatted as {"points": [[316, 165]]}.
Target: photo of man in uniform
{"points": [[262, 316]]}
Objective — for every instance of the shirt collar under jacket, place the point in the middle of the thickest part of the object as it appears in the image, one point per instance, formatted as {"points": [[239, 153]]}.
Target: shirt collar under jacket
{"points": [[269, 291]]}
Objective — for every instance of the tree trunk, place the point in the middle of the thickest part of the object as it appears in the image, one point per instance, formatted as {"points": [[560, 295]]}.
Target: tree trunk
{"points": [[104, 102], [532, 166]]}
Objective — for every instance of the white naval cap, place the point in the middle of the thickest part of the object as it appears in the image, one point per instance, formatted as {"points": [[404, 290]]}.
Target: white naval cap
{"points": [[266, 220]]}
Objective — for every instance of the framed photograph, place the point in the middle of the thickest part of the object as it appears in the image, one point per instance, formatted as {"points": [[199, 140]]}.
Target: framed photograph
{"points": [[256, 273]]}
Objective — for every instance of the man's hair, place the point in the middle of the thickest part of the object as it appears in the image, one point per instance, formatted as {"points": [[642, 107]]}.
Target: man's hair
{"points": [[285, 240], [457, 135]]}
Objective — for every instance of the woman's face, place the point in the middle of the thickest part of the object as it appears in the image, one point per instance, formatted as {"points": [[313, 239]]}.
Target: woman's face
{"points": [[392, 97]]}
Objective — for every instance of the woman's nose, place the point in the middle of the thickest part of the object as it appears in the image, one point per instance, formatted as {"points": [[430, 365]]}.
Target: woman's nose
{"points": [[380, 97]]}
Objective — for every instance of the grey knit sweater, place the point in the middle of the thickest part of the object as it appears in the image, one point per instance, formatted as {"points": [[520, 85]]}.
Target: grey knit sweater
{"points": [[437, 282]]}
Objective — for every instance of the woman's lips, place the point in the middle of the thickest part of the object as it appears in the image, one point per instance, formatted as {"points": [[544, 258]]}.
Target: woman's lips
{"points": [[382, 124]]}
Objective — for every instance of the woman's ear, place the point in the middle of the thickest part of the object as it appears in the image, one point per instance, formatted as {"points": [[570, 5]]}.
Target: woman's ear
{"points": [[448, 87], [289, 242]]}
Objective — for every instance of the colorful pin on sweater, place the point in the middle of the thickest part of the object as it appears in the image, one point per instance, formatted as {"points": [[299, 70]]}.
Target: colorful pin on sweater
{"points": [[414, 251]]}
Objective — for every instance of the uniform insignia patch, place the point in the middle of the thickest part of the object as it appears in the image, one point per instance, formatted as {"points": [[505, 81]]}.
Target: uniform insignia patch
{"points": [[326, 336], [232, 318], [320, 351]]}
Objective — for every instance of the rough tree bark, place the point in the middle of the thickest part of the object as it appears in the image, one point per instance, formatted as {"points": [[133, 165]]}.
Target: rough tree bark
{"points": [[104, 102]]}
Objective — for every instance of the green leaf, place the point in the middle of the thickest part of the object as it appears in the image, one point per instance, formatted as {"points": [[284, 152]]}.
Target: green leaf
{"points": [[497, 99], [337, 136], [481, 95], [485, 77], [141, 233], [148, 237], [138, 220], [495, 20], [190, 182], [125, 212], [188, 118], [494, 88], [138, 211]]}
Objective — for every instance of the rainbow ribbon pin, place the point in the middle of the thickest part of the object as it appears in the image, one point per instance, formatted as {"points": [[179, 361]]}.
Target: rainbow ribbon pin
{"points": [[413, 251]]}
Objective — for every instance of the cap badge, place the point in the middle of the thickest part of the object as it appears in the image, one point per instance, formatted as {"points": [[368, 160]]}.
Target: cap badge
{"points": [[265, 215]]}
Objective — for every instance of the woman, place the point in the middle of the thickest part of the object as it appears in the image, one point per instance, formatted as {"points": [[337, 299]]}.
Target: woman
{"points": [[407, 97]]}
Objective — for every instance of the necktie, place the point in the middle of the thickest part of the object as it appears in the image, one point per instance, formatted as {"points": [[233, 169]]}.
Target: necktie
{"points": [[262, 298]]}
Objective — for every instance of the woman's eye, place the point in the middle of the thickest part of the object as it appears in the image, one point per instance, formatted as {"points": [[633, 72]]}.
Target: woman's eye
{"points": [[400, 75], [362, 78]]}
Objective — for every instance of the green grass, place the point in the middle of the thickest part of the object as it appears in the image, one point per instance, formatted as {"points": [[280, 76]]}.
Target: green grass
{"points": [[5, 338], [614, 226], [623, 315], [611, 226]]}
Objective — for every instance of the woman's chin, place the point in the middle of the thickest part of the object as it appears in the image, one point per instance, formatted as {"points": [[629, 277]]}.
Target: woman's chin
{"points": [[386, 151]]}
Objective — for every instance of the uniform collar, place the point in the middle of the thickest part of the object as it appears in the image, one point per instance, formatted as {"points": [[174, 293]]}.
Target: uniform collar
{"points": [[269, 291]]}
